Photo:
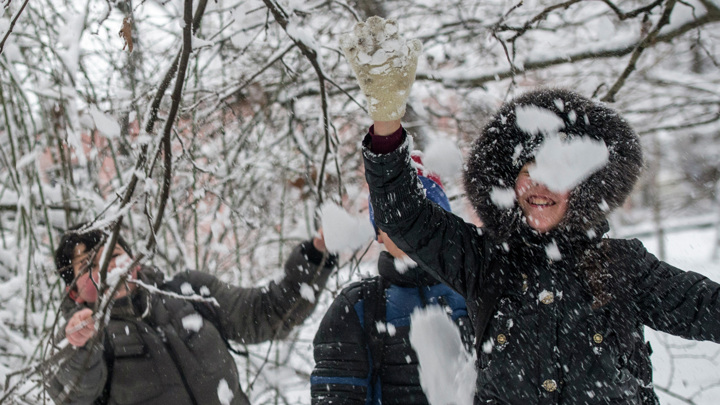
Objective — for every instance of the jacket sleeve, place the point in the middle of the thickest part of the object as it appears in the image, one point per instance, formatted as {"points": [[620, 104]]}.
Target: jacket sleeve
{"points": [[80, 379], [253, 315], [341, 375], [682, 303], [440, 242]]}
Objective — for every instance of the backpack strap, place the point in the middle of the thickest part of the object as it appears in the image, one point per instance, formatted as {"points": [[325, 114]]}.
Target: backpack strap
{"points": [[374, 304]]}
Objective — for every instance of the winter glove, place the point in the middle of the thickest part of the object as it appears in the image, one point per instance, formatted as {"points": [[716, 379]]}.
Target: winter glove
{"points": [[384, 65]]}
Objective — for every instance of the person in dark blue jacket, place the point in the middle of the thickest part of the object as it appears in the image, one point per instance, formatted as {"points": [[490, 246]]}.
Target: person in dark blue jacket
{"points": [[362, 349]]}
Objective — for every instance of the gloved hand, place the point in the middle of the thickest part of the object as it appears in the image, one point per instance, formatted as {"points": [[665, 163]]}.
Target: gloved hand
{"points": [[384, 65]]}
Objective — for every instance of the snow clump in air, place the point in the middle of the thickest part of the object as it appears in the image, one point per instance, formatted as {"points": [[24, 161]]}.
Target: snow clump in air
{"points": [[192, 322], [444, 158], [502, 197], [562, 165], [225, 394], [343, 231], [447, 370], [307, 292]]}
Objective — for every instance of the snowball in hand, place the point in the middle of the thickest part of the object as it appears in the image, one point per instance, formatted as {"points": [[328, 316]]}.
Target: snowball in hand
{"points": [[447, 370], [342, 231], [562, 165], [384, 64]]}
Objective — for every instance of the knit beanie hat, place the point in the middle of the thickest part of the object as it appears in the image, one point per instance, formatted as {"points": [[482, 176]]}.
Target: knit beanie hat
{"points": [[434, 189]]}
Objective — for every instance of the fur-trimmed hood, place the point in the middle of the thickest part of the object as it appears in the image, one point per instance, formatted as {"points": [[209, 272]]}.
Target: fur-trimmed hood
{"points": [[503, 148]]}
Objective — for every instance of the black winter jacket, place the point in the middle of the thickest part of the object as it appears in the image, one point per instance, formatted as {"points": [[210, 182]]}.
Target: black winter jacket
{"points": [[344, 361], [540, 340], [158, 349]]}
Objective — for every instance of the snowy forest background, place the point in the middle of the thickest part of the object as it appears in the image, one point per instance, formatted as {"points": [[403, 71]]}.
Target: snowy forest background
{"points": [[213, 130]]}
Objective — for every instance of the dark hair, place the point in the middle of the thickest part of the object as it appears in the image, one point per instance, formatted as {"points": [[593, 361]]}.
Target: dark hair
{"points": [[73, 237]]}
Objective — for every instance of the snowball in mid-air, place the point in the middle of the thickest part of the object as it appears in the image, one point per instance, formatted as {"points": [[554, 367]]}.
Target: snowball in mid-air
{"points": [[562, 165], [444, 158], [342, 231], [447, 370]]}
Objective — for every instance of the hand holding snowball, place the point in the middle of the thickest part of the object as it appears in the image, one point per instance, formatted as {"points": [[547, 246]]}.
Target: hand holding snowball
{"points": [[384, 65]]}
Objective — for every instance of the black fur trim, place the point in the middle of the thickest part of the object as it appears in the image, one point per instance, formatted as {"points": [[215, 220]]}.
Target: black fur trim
{"points": [[502, 149]]}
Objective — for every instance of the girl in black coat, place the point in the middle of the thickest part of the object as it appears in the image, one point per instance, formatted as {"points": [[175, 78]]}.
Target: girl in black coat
{"points": [[558, 310]]}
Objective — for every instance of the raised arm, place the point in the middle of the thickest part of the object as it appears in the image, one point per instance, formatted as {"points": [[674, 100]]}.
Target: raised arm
{"points": [[441, 243], [253, 315]]}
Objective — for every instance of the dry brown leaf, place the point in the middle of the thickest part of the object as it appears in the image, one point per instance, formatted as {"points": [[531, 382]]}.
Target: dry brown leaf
{"points": [[126, 34]]}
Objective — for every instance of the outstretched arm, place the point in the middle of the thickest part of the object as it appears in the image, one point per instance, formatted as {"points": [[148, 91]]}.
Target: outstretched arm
{"points": [[253, 315], [682, 303]]}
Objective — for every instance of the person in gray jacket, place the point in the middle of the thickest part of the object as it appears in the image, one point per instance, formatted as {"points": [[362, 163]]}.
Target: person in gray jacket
{"points": [[166, 340]]}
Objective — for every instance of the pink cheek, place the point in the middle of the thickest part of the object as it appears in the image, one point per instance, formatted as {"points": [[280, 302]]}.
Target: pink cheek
{"points": [[87, 289]]}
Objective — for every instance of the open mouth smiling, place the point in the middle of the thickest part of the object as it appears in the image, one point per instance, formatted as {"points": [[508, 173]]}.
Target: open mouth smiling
{"points": [[539, 201]]}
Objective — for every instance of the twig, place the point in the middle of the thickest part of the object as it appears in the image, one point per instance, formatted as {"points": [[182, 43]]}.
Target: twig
{"points": [[12, 25], [648, 41]]}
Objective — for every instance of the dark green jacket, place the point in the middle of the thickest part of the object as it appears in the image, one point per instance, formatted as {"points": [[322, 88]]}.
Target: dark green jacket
{"points": [[158, 349]]}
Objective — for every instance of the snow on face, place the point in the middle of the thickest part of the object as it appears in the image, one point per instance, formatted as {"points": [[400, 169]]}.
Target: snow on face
{"points": [[342, 231], [562, 165], [447, 371]]}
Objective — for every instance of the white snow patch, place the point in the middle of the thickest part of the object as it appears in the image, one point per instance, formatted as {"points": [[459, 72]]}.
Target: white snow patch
{"points": [[225, 395], [502, 197], [192, 322], [553, 251], [535, 120], [186, 289], [342, 231], [562, 165], [104, 123], [444, 158], [402, 264], [307, 292], [447, 370]]}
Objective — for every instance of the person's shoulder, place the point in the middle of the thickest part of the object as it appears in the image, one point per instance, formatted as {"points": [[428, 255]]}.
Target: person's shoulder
{"points": [[355, 291], [624, 246]]}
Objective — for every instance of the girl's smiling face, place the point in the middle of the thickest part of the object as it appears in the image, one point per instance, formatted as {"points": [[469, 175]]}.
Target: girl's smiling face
{"points": [[543, 209]]}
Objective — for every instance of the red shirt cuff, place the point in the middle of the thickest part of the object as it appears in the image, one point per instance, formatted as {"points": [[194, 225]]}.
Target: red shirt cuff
{"points": [[382, 144]]}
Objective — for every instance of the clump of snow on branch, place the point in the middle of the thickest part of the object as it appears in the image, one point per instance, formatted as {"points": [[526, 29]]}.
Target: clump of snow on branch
{"points": [[444, 158], [105, 123], [447, 370], [343, 231], [562, 165]]}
